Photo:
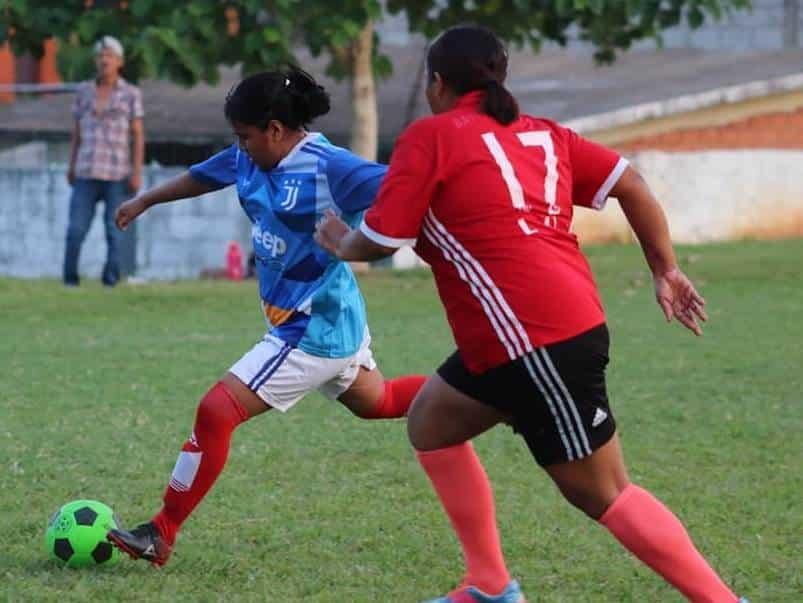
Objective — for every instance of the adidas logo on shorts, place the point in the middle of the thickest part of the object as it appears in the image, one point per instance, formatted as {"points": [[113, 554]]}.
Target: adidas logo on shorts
{"points": [[599, 417]]}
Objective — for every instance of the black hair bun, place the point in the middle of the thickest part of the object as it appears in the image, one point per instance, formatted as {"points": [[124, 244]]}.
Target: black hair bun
{"points": [[313, 99]]}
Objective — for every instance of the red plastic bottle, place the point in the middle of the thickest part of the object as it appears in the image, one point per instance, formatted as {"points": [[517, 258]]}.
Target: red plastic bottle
{"points": [[234, 262]]}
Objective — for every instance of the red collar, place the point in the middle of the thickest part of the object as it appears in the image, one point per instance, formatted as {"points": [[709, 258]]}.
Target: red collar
{"points": [[470, 100]]}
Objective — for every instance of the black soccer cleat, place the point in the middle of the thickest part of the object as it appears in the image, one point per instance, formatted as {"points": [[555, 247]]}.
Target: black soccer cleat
{"points": [[143, 542]]}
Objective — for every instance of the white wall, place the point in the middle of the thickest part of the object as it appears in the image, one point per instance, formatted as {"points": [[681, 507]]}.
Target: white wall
{"points": [[713, 196], [708, 196], [177, 240]]}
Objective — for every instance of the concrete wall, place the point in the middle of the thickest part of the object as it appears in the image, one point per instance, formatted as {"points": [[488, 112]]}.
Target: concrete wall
{"points": [[177, 240], [713, 196], [708, 196]]}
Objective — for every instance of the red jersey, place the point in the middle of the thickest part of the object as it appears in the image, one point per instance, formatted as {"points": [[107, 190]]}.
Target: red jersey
{"points": [[489, 207]]}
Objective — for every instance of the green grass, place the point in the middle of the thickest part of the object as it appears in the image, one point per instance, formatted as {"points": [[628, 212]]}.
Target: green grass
{"points": [[99, 388]]}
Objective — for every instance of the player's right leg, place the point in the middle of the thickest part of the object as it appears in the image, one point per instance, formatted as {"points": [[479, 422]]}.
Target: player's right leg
{"points": [[201, 460], [440, 424], [598, 485], [263, 378], [83, 199]]}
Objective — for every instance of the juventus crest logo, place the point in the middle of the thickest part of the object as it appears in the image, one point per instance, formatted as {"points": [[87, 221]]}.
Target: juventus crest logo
{"points": [[291, 186]]}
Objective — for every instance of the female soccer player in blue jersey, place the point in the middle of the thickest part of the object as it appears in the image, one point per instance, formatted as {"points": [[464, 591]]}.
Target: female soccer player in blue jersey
{"points": [[317, 337]]}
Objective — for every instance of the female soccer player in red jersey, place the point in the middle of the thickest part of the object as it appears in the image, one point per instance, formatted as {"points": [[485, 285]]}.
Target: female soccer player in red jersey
{"points": [[317, 336], [486, 195]]}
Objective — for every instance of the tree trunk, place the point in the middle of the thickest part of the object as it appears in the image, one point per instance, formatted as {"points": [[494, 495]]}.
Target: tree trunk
{"points": [[415, 91], [363, 95]]}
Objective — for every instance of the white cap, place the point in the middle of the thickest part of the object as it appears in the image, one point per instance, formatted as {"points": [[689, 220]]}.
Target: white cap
{"points": [[111, 43]]}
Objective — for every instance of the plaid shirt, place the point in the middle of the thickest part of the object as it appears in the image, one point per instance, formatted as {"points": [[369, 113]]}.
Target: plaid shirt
{"points": [[104, 151]]}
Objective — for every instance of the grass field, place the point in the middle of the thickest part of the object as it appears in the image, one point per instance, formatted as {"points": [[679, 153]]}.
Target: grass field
{"points": [[99, 388]]}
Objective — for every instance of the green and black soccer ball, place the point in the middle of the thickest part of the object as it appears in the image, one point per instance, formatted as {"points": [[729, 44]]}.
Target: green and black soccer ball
{"points": [[76, 534]]}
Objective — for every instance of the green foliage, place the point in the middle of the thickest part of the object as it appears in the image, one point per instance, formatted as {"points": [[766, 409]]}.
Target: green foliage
{"points": [[610, 25], [187, 42]]}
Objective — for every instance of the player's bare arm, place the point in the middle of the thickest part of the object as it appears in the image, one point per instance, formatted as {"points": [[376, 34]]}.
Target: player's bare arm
{"points": [[180, 187], [674, 292], [347, 244]]}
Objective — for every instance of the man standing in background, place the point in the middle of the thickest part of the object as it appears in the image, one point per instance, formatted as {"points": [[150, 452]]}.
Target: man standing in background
{"points": [[106, 155]]}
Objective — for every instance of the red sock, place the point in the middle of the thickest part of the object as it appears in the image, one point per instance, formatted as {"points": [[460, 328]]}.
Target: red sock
{"points": [[398, 396], [652, 533], [201, 458], [462, 485]]}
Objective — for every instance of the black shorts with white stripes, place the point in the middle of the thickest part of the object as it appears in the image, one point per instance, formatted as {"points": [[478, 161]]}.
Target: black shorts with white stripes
{"points": [[555, 395]]}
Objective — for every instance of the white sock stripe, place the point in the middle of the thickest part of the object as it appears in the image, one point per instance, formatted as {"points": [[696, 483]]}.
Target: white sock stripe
{"points": [[567, 397], [551, 405], [559, 403], [179, 486], [488, 282], [512, 351]]}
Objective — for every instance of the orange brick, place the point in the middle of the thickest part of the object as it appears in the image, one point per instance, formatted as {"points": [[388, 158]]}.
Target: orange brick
{"points": [[770, 131]]}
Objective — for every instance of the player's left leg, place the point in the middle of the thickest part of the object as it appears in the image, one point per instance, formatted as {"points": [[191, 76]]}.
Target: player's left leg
{"points": [[371, 396], [599, 486], [580, 451], [361, 387]]}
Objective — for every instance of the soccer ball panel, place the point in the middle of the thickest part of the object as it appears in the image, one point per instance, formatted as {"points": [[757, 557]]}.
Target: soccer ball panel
{"points": [[85, 516], [103, 552], [63, 549]]}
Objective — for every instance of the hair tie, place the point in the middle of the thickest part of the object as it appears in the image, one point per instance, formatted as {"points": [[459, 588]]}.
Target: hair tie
{"points": [[489, 83]]}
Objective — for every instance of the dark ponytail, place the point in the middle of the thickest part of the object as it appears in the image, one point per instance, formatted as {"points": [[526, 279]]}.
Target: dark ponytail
{"points": [[468, 58], [289, 95], [499, 103]]}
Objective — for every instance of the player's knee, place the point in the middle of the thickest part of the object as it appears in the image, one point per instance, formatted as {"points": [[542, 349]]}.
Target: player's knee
{"points": [[219, 408], [593, 500], [419, 430], [366, 407]]}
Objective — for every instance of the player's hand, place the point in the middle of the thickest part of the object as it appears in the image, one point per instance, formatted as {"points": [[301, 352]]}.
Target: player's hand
{"points": [[128, 212], [330, 231], [678, 299]]}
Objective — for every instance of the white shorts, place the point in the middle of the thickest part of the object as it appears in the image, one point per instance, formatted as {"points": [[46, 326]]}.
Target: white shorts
{"points": [[281, 375]]}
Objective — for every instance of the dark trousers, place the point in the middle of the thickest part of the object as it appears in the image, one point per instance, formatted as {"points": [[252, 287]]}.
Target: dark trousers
{"points": [[86, 193]]}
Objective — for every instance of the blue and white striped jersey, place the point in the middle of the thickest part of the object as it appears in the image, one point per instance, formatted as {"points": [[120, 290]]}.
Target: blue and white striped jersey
{"points": [[310, 299]]}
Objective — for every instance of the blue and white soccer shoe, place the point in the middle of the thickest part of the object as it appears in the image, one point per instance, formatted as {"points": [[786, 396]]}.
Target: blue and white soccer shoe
{"points": [[471, 594]]}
